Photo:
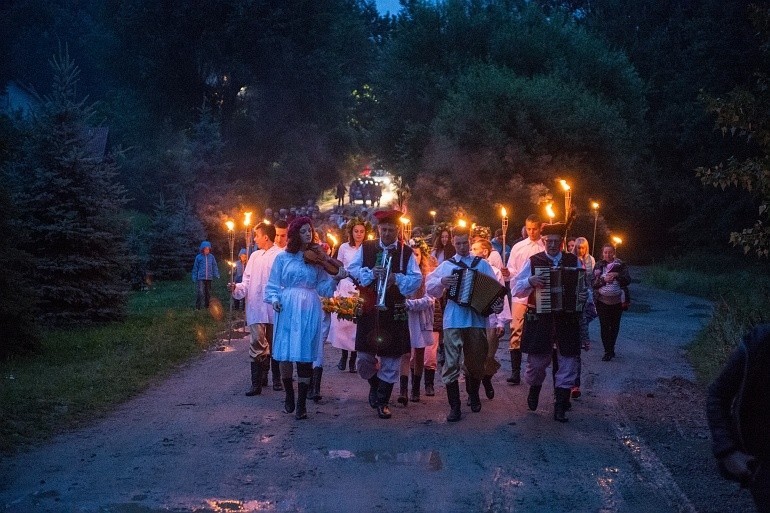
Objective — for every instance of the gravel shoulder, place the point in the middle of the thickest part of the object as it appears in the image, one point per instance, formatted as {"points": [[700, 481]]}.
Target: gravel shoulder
{"points": [[636, 442]]}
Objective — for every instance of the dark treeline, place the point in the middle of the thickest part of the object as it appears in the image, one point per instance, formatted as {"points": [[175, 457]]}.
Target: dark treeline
{"points": [[216, 106]]}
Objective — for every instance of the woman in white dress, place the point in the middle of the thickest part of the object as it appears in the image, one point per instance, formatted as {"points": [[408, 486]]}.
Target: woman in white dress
{"points": [[293, 289], [420, 309], [342, 333]]}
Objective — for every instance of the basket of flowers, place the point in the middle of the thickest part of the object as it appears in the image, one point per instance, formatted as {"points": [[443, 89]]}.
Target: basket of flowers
{"points": [[346, 308]]}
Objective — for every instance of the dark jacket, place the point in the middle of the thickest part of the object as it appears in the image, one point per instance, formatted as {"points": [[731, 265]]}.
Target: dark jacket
{"points": [[738, 403], [542, 331]]}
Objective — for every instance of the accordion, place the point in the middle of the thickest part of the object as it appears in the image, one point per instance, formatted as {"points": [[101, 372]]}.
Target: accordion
{"points": [[561, 289], [476, 290]]}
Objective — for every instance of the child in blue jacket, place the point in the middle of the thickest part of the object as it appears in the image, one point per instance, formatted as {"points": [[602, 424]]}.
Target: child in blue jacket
{"points": [[204, 270]]}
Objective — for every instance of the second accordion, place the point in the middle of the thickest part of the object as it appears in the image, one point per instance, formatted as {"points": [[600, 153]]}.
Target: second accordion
{"points": [[476, 290], [561, 289]]}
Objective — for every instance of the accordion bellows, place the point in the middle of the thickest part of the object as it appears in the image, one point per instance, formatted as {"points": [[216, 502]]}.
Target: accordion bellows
{"points": [[476, 290]]}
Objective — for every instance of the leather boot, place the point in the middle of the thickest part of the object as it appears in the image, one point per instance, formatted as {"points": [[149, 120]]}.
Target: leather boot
{"points": [[256, 379], [316, 392], [533, 397], [403, 390], [288, 403], [383, 398], [430, 375], [515, 378], [374, 384], [453, 396], [488, 388], [474, 384], [343, 360], [275, 369], [352, 364], [302, 390], [265, 364], [560, 405], [416, 379]]}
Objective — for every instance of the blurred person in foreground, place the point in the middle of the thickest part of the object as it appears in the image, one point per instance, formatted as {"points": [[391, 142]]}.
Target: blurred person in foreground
{"points": [[738, 413]]}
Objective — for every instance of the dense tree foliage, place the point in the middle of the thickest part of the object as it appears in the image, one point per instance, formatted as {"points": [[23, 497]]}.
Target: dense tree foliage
{"points": [[70, 209], [500, 92], [743, 113]]}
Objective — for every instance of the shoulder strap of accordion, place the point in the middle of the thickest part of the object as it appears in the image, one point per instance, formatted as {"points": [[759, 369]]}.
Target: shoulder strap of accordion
{"points": [[475, 262], [459, 263]]}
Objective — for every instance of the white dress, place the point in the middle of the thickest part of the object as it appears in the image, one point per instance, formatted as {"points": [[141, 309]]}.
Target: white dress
{"points": [[420, 320], [297, 286], [342, 333]]}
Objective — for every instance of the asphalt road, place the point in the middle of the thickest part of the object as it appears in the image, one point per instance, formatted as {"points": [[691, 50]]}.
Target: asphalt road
{"points": [[196, 443]]}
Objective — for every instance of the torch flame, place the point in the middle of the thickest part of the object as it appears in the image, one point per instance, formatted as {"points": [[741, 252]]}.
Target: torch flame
{"points": [[564, 185], [504, 212], [247, 219], [332, 238], [370, 236], [230, 225], [594, 205], [266, 221], [462, 223], [432, 213], [617, 240], [549, 210], [404, 220]]}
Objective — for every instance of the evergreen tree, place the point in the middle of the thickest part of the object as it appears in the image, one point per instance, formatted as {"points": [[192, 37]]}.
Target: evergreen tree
{"points": [[70, 209], [176, 233]]}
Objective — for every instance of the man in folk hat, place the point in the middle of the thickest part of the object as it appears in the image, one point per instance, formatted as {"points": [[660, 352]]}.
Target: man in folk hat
{"points": [[548, 336], [382, 332]]}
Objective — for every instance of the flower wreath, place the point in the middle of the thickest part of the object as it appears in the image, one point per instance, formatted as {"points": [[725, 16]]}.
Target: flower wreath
{"points": [[485, 232], [440, 228], [422, 245], [356, 221]]}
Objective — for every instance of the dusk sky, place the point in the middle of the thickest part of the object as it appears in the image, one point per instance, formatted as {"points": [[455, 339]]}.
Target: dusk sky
{"points": [[388, 5]]}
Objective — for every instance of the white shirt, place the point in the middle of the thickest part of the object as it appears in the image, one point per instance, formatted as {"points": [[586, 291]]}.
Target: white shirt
{"points": [[252, 287], [456, 316], [407, 283], [520, 253], [520, 286]]}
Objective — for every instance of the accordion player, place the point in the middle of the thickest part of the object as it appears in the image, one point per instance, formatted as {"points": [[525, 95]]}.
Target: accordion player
{"points": [[561, 290], [475, 290]]}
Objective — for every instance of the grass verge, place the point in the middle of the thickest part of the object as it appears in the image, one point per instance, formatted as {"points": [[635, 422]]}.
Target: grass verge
{"points": [[82, 372], [740, 290]]}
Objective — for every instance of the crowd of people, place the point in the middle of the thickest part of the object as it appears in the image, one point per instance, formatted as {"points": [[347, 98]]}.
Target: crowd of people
{"points": [[405, 320], [391, 306]]}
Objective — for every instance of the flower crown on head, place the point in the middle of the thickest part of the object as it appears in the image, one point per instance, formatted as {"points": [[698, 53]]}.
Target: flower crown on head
{"points": [[354, 221], [421, 244], [482, 231]]}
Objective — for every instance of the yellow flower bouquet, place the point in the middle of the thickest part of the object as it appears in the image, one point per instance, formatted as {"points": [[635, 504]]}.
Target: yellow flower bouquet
{"points": [[347, 308]]}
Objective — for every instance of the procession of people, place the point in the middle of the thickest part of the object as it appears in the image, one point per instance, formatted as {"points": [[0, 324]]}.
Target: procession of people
{"points": [[400, 307]]}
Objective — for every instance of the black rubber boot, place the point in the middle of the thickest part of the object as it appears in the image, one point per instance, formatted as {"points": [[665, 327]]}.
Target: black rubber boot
{"points": [[383, 398], [265, 364], [474, 384], [256, 379], [374, 384], [515, 378], [343, 360], [560, 405], [416, 379], [276, 370], [403, 390], [316, 392], [533, 397], [302, 390], [352, 364], [453, 396], [489, 390], [288, 403], [430, 375]]}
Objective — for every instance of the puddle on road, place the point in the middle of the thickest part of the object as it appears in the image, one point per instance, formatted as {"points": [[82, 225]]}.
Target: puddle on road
{"points": [[431, 460]]}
